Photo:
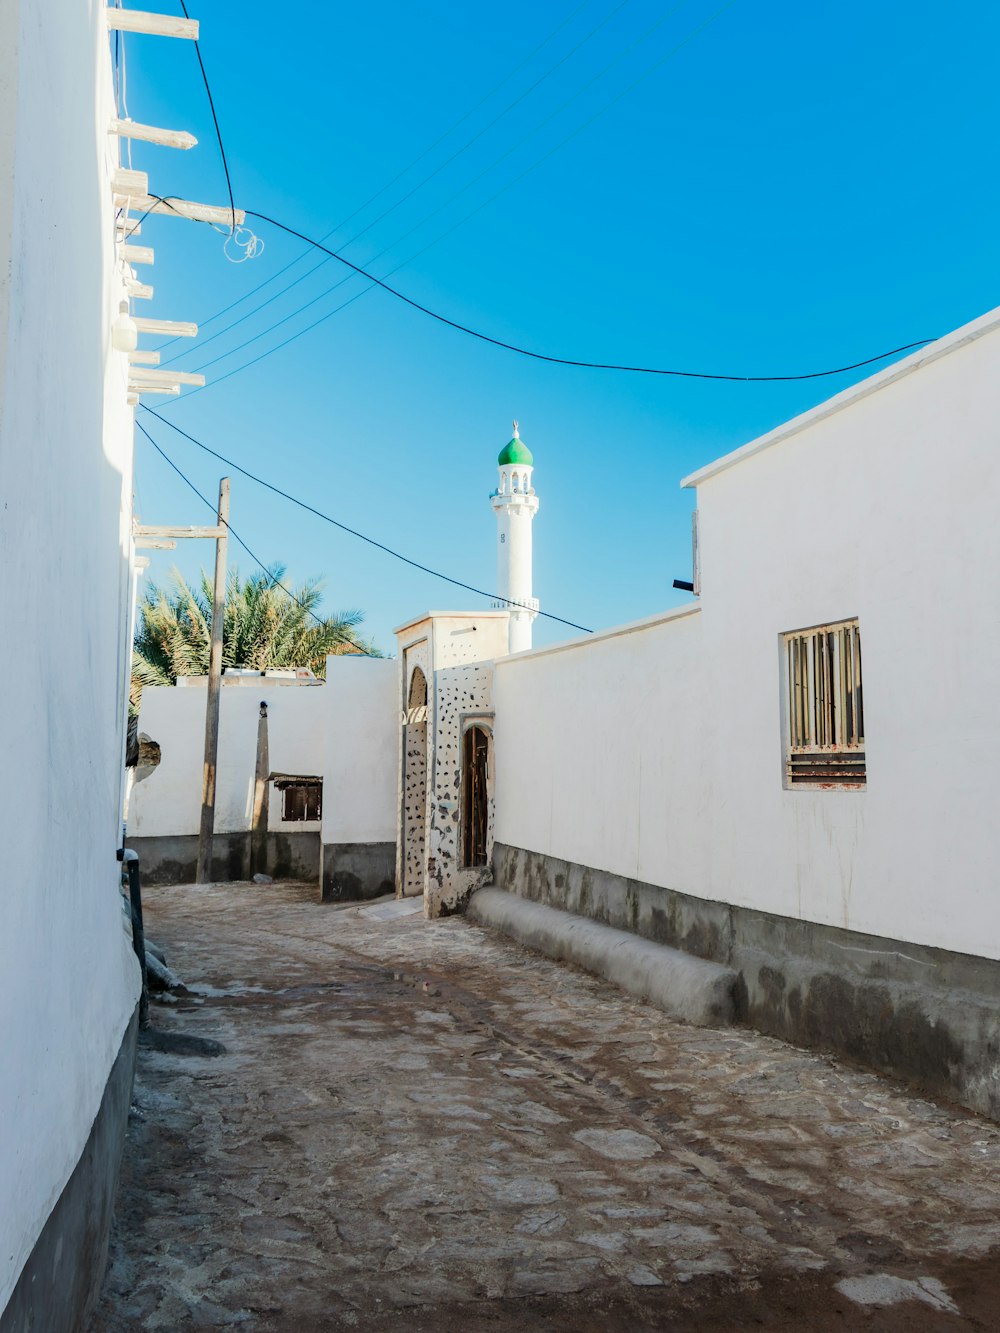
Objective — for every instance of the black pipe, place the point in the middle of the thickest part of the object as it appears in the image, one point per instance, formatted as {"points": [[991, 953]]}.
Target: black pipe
{"points": [[683, 585], [131, 860]]}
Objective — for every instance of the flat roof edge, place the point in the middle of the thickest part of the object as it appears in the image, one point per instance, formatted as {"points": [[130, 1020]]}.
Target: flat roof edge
{"points": [[951, 342], [616, 631], [450, 615]]}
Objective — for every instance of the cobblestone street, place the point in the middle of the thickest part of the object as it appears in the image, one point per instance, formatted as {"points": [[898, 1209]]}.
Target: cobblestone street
{"points": [[419, 1126]]}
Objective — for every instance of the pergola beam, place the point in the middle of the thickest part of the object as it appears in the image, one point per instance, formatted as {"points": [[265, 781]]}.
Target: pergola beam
{"points": [[157, 25], [127, 184], [186, 208], [141, 375], [168, 327], [172, 390], [176, 533], [131, 129]]}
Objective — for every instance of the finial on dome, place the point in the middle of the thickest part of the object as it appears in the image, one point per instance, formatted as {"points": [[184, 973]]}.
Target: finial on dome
{"points": [[516, 436]]}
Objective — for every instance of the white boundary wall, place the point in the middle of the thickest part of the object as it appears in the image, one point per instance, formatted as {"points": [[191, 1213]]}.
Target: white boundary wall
{"points": [[656, 752], [68, 977], [168, 801], [360, 751]]}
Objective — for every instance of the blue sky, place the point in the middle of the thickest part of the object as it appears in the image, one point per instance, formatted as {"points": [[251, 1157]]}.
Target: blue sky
{"points": [[786, 187]]}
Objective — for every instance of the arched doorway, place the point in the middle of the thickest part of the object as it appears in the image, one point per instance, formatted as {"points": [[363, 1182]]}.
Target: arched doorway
{"points": [[475, 796], [415, 785]]}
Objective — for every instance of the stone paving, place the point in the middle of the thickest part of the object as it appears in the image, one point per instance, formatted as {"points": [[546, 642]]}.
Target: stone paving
{"points": [[419, 1125]]}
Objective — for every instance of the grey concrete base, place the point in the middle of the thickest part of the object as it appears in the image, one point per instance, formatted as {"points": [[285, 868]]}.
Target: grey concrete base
{"points": [[354, 871], [61, 1281], [929, 1016], [174, 860], [687, 988]]}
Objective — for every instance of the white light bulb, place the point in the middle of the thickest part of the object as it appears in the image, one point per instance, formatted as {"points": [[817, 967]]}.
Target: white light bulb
{"points": [[124, 334]]}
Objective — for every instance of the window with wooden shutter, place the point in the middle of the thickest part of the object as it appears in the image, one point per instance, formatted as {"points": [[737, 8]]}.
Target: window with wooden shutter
{"points": [[825, 722]]}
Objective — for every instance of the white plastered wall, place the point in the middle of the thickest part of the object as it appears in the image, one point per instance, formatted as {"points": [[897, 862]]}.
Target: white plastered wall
{"points": [[360, 750], [168, 802], [68, 977], [657, 753]]}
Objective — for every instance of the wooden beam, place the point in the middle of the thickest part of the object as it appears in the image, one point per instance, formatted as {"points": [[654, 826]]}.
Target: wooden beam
{"points": [[138, 290], [166, 326], [184, 208], [144, 358], [203, 874], [128, 226], [172, 389], [127, 184], [154, 544], [131, 129], [157, 25], [137, 254], [176, 533], [140, 374]]}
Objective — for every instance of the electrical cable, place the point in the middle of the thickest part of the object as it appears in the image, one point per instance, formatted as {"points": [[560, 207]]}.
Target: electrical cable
{"points": [[203, 323], [357, 270], [275, 581], [353, 532], [409, 232], [569, 361], [215, 120]]}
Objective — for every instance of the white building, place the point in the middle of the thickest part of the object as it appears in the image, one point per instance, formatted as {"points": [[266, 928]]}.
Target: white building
{"points": [[69, 981], [793, 775]]}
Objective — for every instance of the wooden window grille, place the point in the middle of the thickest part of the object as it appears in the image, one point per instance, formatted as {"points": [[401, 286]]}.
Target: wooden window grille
{"points": [[301, 802], [826, 720]]}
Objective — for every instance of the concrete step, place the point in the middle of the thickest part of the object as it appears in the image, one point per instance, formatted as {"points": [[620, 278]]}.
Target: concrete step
{"points": [[681, 985]]}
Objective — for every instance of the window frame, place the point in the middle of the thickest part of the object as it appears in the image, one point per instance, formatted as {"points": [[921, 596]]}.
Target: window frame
{"points": [[823, 731]]}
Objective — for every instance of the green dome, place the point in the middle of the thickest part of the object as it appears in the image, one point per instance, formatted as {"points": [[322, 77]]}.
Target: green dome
{"points": [[515, 451]]}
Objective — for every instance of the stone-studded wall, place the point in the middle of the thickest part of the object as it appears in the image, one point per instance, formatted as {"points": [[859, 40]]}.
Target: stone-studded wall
{"points": [[460, 691], [456, 652], [413, 853]]}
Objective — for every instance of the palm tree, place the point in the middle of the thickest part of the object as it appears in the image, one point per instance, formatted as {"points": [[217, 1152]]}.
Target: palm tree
{"points": [[264, 627]]}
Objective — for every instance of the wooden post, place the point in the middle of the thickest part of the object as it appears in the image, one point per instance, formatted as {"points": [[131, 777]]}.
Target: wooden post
{"points": [[258, 825], [204, 872]]}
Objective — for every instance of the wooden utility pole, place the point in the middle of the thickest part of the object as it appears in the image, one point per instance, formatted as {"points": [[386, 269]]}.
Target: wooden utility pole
{"points": [[258, 823], [207, 832]]}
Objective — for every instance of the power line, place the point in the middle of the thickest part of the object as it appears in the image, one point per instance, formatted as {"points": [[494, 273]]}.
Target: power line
{"points": [[215, 120], [569, 361], [513, 347], [378, 193], [275, 581], [353, 532], [644, 36]]}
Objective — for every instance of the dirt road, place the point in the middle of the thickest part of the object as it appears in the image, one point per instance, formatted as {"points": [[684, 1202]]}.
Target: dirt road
{"points": [[417, 1126]]}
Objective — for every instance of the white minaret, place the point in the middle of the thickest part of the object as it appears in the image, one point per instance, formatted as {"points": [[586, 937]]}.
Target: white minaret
{"points": [[516, 504]]}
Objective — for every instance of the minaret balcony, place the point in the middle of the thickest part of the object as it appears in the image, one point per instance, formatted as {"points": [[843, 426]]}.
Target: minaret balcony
{"points": [[523, 604]]}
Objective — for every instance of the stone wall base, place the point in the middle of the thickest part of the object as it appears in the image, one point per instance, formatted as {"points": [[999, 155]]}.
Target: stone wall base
{"points": [[174, 859], [61, 1281], [353, 871], [924, 1015]]}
